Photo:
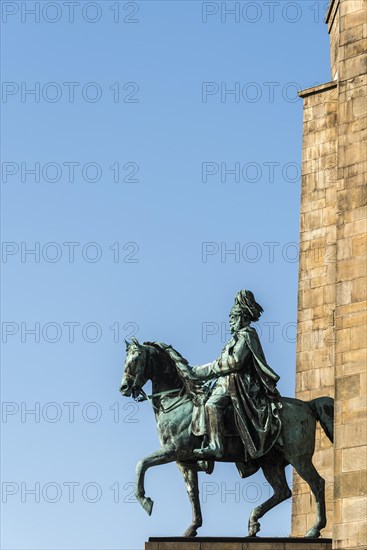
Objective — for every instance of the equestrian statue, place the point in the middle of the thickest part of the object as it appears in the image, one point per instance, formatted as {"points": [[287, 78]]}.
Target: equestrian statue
{"points": [[229, 410]]}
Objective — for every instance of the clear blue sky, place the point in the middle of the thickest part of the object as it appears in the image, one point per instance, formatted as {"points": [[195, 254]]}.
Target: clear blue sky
{"points": [[150, 99]]}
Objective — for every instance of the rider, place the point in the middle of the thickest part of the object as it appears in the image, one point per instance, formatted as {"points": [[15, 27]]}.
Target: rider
{"points": [[246, 380]]}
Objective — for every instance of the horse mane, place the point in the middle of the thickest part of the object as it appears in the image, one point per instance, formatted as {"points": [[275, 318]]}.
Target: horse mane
{"points": [[181, 366]]}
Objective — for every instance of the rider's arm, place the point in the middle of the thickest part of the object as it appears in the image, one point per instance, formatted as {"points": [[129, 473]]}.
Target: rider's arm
{"points": [[228, 362], [234, 361], [204, 372]]}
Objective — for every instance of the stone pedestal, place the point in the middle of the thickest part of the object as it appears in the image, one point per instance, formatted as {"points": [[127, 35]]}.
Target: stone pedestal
{"points": [[231, 543]]}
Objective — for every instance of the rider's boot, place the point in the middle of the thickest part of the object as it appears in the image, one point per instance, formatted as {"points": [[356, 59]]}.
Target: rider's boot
{"points": [[215, 448]]}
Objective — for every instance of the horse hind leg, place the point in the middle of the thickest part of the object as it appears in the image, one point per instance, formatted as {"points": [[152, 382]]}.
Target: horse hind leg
{"points": [[190, 476], [308, 472], [275, 475]]}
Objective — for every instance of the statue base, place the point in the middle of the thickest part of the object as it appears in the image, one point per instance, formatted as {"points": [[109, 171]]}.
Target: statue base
{"points": [[232, 543]]}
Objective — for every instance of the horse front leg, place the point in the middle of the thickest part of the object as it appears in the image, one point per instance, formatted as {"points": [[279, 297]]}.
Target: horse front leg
{"points": [[162, 456], [190, 476]]}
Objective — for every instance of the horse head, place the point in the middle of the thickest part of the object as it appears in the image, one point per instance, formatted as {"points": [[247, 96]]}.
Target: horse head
{"points": [[151, 361], [135, 373]]}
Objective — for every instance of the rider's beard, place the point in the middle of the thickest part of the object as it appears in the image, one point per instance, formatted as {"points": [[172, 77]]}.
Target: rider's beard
{"points": [[237, 322]]}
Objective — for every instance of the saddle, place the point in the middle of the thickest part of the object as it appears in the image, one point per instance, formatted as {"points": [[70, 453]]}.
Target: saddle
{"points": [[199, 422]]}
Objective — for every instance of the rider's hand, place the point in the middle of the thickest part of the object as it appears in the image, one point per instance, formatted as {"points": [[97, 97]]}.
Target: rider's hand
{"points": [[203, 372]]}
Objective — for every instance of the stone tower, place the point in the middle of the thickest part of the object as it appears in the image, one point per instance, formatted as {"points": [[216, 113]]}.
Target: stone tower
{"points": [[331, 339]]}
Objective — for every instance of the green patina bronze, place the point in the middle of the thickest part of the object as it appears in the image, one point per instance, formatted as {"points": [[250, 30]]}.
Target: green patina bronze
{"points": [[229, 411]]}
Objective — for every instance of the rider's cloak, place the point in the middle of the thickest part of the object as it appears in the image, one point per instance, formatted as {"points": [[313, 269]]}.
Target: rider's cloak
{"points": [[254, 395], [251, 384]]}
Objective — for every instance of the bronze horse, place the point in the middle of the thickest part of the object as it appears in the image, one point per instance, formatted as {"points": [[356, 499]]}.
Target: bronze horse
{"points": [[173, 409]]}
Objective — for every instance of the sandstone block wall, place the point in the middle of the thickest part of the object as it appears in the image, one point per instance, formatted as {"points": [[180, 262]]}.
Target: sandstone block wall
{"points": [[350, 506], [317, 288], [332, 321]]}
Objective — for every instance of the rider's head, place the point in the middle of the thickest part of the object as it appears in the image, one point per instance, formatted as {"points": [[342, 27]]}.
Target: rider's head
{"points": [[244, 310]]}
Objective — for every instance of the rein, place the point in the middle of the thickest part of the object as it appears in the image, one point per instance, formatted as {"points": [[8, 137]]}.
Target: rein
{"points": [[159, 393], [146, 397]]}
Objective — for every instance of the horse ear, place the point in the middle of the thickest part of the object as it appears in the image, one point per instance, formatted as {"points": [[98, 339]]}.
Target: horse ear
{"points": [[127, 345], [134, 341]]}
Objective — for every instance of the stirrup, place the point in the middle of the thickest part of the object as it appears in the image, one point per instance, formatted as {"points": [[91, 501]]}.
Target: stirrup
{"points": [[206, 466], [207, 453]]}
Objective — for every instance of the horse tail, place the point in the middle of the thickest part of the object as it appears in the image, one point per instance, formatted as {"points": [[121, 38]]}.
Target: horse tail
{"points": [[323, 409]]}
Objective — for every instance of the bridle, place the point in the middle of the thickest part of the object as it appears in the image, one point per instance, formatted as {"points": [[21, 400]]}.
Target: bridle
{"points": [[142, 396]]}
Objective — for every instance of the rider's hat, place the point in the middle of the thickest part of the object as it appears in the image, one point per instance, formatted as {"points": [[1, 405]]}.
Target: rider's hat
{"points": [[249, 307]]}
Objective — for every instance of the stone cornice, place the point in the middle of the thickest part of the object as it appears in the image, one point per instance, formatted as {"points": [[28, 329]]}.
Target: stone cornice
{"points": [[318, 89]]}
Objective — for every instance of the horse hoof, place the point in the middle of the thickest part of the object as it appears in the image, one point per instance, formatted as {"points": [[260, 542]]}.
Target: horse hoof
{"points": [[253, 529], [190, 532], [313, 534], [148, 505]]}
